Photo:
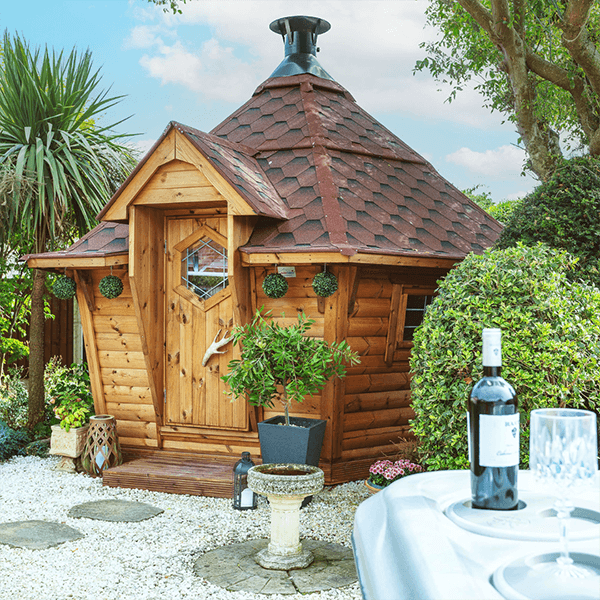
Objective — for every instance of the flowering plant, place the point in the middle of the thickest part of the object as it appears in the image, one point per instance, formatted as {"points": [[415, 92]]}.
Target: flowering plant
{"points": [[69, 394], [384, 472]]}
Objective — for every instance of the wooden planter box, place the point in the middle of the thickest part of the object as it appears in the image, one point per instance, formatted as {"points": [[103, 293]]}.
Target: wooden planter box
{"points": [[69, 443]]}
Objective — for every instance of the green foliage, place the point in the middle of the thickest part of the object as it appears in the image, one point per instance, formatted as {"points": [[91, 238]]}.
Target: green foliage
{"points": [[47, 133], [15, 302], [64, 288], [13, 400], [325, 284], [550, 344], [69, 394], [283, 362], [521, 58], [11, 441], [111, 286], [169, 5], [275, 285], [501, 211], [564, 213]]}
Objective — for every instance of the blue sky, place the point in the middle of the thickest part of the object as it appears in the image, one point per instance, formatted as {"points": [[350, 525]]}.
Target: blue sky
{"points": [[198, 67]]}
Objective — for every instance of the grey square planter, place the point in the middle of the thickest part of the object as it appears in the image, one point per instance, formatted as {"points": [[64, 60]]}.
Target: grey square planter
{"points": [[300, 442]]}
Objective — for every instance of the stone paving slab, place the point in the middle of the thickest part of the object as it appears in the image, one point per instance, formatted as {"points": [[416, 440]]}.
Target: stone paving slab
{"points": [[234, 568], [115, 510], [36, 535]]}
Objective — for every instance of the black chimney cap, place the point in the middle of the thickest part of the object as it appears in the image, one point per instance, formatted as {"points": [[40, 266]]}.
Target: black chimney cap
{"points": [[300, 45]]}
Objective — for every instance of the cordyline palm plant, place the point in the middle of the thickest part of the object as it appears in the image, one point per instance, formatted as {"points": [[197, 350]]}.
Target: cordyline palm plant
{"points": [[283, 362], [63, 165]]}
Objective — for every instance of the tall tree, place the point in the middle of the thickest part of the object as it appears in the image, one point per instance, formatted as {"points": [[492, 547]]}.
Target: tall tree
{"points": [[49, 104], [538, 62]]}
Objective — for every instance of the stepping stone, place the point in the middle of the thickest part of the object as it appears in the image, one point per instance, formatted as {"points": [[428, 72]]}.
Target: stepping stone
{"points": [[115, 510], [234, 568], [36, 535]]}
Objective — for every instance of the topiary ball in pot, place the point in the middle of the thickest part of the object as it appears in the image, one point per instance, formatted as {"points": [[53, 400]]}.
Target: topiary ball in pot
{"points": [[325, 284], [275, 285], [64, 288], [110, 286]]}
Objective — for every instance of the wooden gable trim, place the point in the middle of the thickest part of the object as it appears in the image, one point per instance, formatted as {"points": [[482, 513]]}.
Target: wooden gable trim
{"points": [[304, 258], [187, 152], [117, 210], [54, 263]]}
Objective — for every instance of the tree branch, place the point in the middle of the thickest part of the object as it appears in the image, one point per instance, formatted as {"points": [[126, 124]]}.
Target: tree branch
{"points": [[577, 41]]}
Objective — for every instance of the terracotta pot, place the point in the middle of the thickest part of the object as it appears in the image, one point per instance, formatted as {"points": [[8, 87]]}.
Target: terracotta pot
{"points": [[373, 487]]}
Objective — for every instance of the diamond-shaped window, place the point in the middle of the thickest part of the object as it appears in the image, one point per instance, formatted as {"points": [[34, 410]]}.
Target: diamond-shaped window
{"points": [[204, 268]]}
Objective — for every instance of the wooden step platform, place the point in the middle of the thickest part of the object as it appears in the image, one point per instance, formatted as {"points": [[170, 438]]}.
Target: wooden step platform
{"points": [[195, 475]]}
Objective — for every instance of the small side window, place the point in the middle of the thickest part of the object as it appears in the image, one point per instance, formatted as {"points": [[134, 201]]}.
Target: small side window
{"points": [[415, 310]]}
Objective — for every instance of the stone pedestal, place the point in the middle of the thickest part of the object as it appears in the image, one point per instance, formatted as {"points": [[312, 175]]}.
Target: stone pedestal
{"points": [[285, 486]]}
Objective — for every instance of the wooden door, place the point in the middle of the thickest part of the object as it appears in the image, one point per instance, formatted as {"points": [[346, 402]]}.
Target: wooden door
{"points": [[199, 310]]}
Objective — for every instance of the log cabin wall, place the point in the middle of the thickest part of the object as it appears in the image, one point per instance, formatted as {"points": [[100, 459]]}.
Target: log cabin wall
{"points": [[118, 373]]}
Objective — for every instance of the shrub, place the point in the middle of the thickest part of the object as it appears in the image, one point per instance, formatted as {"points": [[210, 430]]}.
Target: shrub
{"points": [[68, 393], [564, 213], [550, 345], [11, 441], [13, 400]]}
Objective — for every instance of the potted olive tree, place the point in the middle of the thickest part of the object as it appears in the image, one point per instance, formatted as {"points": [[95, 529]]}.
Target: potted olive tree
{"points": [[284, 364]]}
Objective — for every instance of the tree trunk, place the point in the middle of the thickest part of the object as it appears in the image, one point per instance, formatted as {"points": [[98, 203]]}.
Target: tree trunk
{"points": [[36, 350]]}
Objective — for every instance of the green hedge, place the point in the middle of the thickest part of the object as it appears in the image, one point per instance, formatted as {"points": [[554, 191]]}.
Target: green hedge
{"points": [[551, 344], [564, 213]]}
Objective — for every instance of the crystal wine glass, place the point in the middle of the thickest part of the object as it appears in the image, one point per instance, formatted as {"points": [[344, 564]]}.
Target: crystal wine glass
{"points": [[563, 456]]}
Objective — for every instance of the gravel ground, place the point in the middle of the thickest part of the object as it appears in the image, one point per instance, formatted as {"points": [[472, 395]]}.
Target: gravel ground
{"points": [[151, 560]]}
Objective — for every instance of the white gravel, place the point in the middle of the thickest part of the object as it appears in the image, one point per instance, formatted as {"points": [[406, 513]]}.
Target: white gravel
{"points": [[150, 560]]}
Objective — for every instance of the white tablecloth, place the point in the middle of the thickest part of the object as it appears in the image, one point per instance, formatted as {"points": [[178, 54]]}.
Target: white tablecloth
{"points": [[406, 547]]}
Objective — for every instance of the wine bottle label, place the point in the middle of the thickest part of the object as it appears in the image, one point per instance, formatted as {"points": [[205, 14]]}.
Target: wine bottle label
{"points": [[499, 440]]}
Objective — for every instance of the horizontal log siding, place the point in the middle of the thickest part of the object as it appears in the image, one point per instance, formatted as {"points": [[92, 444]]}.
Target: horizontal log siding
{"points": [[377, 396], [122, 367], [299, 297]]}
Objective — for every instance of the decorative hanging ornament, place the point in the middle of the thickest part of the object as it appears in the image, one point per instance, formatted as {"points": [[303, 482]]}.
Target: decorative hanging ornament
{"points": [[110, 286], [64, 288], [275, 285], [325, 284]]}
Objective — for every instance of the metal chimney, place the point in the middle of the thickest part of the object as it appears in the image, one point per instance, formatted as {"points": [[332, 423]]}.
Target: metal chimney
{"points": [[300, 39]]}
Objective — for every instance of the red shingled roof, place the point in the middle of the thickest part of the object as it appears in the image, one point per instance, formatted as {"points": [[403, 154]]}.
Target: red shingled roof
{"points": [[350, 184], [324, 175]]}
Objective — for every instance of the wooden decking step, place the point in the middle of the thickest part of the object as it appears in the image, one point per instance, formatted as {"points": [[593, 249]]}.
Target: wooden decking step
{"points": [[211, 476]]}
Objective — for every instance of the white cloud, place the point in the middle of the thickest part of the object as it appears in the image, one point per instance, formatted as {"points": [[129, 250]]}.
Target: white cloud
{"points": [[380, 38], [142, 36], [500, 164]]}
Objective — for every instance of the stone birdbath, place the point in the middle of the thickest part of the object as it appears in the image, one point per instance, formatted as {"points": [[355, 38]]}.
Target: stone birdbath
{"points": [[285, 486]]}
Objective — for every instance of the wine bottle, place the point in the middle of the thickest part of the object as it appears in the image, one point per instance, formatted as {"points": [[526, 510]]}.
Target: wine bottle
{"points": [[493, 423]]}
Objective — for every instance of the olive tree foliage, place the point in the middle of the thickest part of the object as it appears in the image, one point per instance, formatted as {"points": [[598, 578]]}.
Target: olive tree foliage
{"points": [[550, 344], [537, 62], [62, 165]]}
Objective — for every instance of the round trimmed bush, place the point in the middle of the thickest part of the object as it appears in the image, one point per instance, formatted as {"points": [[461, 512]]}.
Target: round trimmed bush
{"points": [[550, 344], [275, 285], [64, 288], [325, 284], [563, 212], [110, 286]]}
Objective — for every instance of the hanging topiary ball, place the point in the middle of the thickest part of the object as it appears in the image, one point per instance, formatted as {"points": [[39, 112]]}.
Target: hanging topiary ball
{"points": [[64, 288], [110, 286], [325, 284], [275, 285]]}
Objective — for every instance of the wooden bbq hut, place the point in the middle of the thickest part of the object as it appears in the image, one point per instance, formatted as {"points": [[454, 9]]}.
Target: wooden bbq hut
{"points": [[299, 179]]}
